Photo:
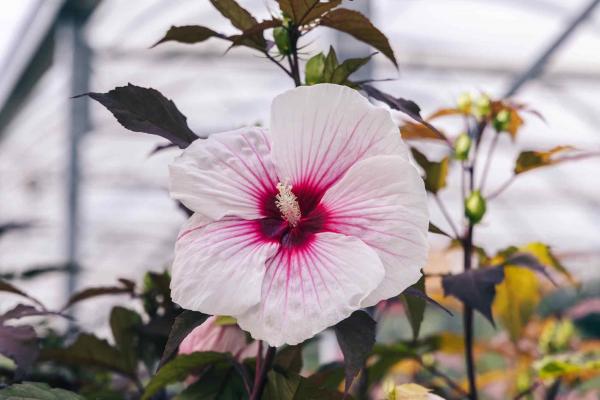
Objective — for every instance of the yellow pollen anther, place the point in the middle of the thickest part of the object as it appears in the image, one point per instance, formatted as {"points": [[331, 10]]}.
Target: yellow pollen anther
{"points": [[287, 203]]}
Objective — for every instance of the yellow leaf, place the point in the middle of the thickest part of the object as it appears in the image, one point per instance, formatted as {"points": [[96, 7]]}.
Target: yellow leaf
{"points": [[544, 255], [416, 131], [516, 299]]}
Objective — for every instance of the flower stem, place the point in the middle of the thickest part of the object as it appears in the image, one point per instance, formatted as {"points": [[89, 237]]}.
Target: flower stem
{"points": [[468, 318], [294, 35], [261, 372]]}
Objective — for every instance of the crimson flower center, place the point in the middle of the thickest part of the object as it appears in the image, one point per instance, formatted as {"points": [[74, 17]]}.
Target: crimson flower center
{"points": [[292, 215]]}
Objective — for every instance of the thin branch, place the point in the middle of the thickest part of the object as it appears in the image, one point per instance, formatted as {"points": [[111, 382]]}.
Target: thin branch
{"points": [[270, 57], [527, 392], [446, 215], [243, 373], [449, 381], [488, 161], [501, 188]]}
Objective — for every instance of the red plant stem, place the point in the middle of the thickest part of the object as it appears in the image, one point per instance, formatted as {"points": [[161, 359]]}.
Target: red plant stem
{"points": [[261, 375]]}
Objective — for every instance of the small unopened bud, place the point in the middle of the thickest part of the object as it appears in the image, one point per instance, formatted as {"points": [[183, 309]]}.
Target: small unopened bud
{"points": [[475, 207], [502, 120], [464, 102], [462, 145], [428, 360], [483, 106], [282, 40]]}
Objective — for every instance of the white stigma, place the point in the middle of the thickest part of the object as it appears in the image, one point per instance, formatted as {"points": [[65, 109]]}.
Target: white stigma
{"points": [[287, 203]]}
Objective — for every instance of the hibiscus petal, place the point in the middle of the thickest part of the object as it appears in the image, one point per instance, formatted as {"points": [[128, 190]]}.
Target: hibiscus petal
{"points": [[320, 131], [310, 288], [228, 174], [382, 201], [219, 267]]}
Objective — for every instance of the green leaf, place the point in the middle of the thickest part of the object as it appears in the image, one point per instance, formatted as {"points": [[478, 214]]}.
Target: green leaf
{"points": [[435, 172], [90, 351], [314, 69], [359, 26], [36, 391], [188, 34], [415, 308], [475, 288], [286, 385], [290, 358], [348, 67], [180, 368], [147, 110], [124, 324], [219, 382], [356, 337], [528, 160], [185, 323], [331, 63], [305, 11]]}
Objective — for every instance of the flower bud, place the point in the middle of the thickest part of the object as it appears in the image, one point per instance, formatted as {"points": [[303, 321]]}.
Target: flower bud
{"points": [[282, 40], [483, 107], [462, 145], [464, 102], [502, 120], [475, 207]]}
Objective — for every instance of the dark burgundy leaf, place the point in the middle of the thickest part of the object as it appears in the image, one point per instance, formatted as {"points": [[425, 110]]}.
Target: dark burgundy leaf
{"points": [[99, 291], [414, 292], [435, 229], [7, 287], [188, 34], [14, 226], [356, 24], [356, 337], [146, 110], [23, 310], [305, 11], [408, 107], [255, 30], [241, 19], [415, 305], [183, 325], [531, 262], [19, 343], [476, 288]]}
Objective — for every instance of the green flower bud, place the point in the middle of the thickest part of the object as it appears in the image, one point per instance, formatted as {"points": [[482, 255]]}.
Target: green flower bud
{"points": [[502, 120], [282, 40], [475, 207], [464, 102], [428, 360], [314, 69], [462, 145], [483, 106]]}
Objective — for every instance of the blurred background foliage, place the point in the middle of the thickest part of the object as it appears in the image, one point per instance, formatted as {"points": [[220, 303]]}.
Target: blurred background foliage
{"points": [[85, 212]]}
